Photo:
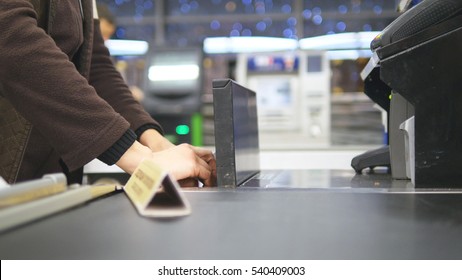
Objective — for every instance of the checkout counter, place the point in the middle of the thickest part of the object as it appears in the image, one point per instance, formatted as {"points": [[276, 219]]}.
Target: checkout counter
{"points": [[345, 215], [339, 215]]}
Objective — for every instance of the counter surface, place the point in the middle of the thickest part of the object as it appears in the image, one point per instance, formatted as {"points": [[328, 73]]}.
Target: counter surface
{"points": [[348, 219]]}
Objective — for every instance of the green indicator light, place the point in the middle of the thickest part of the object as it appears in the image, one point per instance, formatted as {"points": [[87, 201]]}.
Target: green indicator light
{"points": [[182, 129]]}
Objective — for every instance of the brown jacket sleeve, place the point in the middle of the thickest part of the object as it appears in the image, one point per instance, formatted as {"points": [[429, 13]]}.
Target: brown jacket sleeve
{"points": [[45, 87], [110, 85]]}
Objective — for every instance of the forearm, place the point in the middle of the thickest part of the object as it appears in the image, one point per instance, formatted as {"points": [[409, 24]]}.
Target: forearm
{"points": [[133, 157], [154, 140]]}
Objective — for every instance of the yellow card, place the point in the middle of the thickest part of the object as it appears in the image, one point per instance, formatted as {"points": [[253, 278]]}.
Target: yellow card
{"points": [[155, 193]]}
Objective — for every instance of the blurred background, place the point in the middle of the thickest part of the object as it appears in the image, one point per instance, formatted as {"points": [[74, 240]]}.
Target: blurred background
{"points": [[303, 58]]}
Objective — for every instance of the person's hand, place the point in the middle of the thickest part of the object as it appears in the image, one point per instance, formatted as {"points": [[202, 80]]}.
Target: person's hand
{"points": [[186, 162], [157, 143]]}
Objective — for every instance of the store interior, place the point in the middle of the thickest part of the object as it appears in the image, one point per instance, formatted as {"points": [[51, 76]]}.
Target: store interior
{"points": [[303, 58]]}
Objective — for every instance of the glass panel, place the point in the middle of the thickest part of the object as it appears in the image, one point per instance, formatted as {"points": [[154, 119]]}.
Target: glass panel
{"points": [[338, 26], [325, 17], [135, 32], [194, 34], [217, 7], [348, 6]]}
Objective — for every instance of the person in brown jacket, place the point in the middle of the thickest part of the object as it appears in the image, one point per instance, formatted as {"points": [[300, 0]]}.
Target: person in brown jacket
{"points": [[63, 104]]}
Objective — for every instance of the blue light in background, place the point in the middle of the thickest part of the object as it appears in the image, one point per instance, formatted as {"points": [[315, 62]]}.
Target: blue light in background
{"points": [[286, 9], [327, 16], [307, 14], [342, 9], [260, 8], [292, 21], [237, 26], [317, 11], [341, 26], [246, 32], [288, 33], [261, 26], [120, 33], [367, 27], [194, 5], [317, 19], [234, 33], [215, 25], [185, 8], [378, 9], [148, 5]]}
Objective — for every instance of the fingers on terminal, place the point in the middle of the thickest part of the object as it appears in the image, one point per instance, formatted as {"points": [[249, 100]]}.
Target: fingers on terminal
{"points": [[203, 163]]}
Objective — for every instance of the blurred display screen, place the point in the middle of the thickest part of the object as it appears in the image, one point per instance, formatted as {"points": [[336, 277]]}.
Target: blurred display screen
{"points": [[266, 64], [274, 93], [173, 72]]}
